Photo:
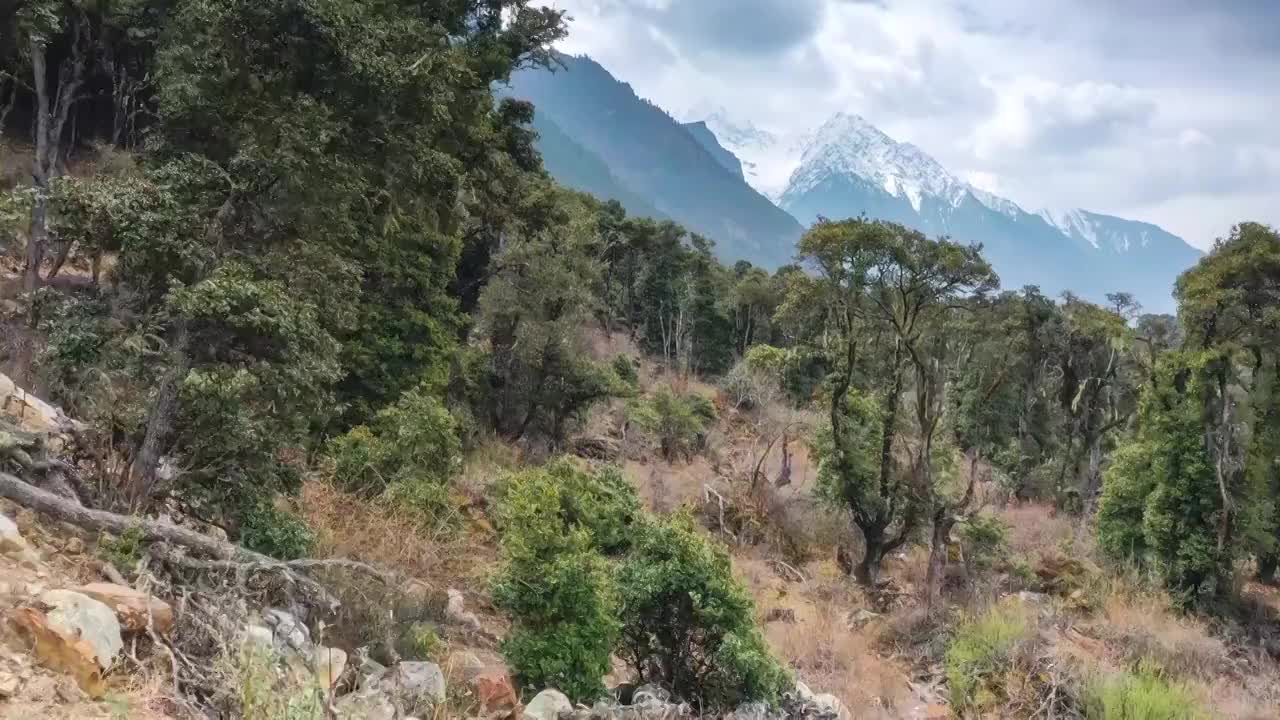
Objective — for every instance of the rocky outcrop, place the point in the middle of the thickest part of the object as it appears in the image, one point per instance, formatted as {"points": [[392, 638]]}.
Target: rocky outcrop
{"points": [[134, 609], [31, 414], [80, 616], [547, 705]]}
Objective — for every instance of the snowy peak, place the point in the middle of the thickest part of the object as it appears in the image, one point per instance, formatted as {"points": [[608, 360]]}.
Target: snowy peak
{"points": [[849, 145], [735, 135], [1112, 234]]}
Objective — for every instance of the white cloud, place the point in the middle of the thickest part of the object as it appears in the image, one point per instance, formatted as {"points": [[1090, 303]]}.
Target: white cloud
{"points": [[1159, 110]]}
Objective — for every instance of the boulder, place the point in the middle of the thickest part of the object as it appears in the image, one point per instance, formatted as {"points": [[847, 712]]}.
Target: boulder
{"points": [[259, 637], [133, 608], [80, 616], [61, 651], [547, 705], [364, 706], [290, 632], [31, 414], [455, 610], [829, 707], [413, 685], [649, 693], [496, 696], [14, 545], [328, 664]]}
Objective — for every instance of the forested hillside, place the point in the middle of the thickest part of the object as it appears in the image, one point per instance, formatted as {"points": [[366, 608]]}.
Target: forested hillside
{"points": [[323, 342], [654, 156]]}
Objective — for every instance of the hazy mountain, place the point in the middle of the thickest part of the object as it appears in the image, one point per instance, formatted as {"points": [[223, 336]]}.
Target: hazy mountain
{"points": [[849, 167], [577, 167], [707, 140], [649, 153]]}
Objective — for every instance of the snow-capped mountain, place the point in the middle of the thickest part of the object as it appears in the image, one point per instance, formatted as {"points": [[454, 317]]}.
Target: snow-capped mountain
{"points": [[849, 145], [848, 167], [767, 158]]}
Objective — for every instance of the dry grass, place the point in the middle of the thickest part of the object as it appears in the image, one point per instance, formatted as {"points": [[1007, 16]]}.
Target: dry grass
{"points": [[1138, 626], [821, 646], [349, 527], [1035, 528]]}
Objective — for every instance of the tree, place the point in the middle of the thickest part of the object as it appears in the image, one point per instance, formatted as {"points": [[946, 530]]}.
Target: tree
{"points": [[688, 624], [537, 377], [557, 588], [889, 288]]}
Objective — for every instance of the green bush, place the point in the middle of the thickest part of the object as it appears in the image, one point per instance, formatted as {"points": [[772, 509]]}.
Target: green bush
{"points": [[678, 421], [266, 529], [625, 368], [1144, 695], [125, 551], [555, 585], [689, 625], [985, 539], [409, 455], [982, 650], [420, 641]]}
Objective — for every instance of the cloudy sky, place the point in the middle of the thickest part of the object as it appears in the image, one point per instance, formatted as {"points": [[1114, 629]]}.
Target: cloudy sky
{"points": [[1159, 110]]}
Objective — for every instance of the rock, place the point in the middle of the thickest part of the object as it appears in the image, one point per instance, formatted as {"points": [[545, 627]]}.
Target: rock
{"points": [[14, 545], [31, 414], [829, 706], [496, 696], [290, 632], [650, 693], [803, 693], [786, 615], [547, 705], [133, 608], [754, 711], [60, 651], [73, 546], [861, 617], [413, 684], [259, 636], [9, 685], [80, 616], [455, 610], [328, 664], [1032, 598], [469, 666], [364, 706]]}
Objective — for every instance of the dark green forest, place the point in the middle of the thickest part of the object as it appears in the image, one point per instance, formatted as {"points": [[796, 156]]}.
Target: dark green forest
{"points": [[257, 235]]}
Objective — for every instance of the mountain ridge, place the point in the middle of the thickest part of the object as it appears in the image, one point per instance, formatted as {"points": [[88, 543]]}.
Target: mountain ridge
{"points": [[654, 156]]}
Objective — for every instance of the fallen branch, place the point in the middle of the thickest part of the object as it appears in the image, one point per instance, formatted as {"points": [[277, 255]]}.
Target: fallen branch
{"points": [[226, 555]]}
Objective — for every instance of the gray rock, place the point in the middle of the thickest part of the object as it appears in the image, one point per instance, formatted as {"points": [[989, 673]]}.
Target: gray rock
{"points": [[364, 706], [829, 706], [258, 636], [14, 545], [455, 610], [290, 632], [649, 693], [81, 616], [547, 705], [755, 711], [413, 685]]}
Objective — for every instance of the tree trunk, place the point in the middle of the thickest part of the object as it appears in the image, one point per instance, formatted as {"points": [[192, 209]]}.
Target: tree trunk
{"points": [[943, 522], [160, 419], [1268, 564], [867, 572]]}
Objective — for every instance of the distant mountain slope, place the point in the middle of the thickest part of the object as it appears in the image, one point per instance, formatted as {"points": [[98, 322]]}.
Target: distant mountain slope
{"points": [[577, 167], [654, 156], [707, 140], [849, 167]]}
